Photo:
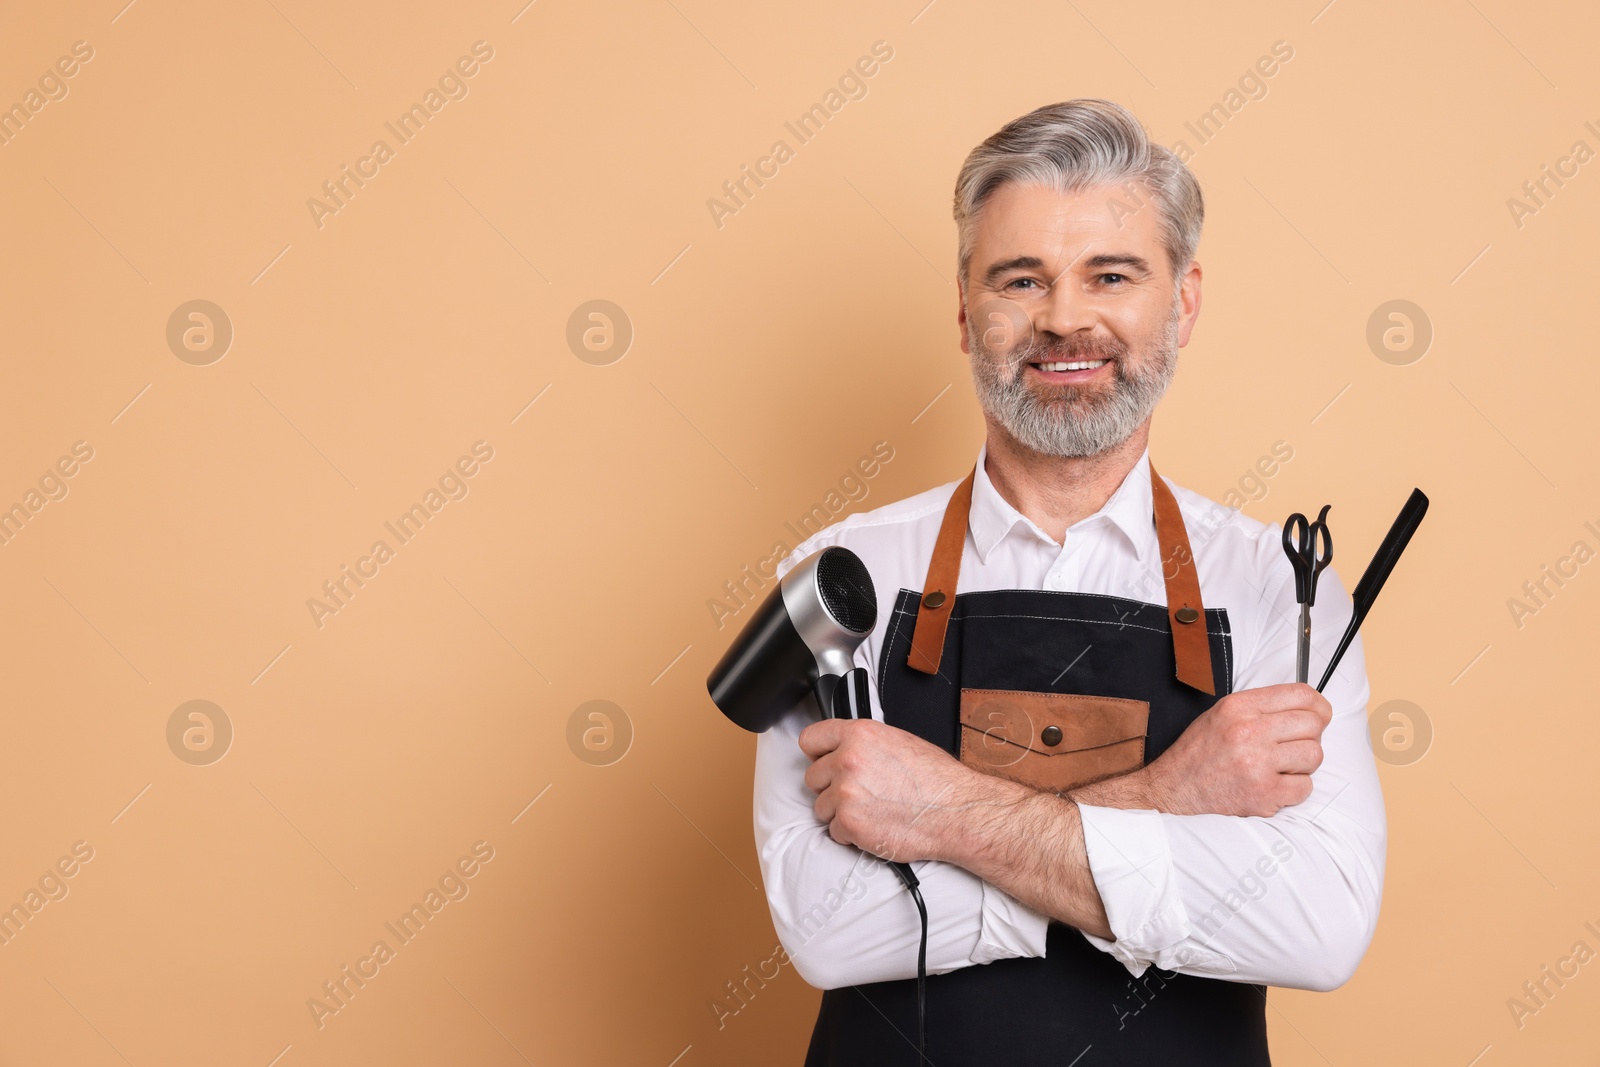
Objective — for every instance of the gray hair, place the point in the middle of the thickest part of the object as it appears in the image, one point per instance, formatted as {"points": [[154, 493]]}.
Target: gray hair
{"points": [[1074, 145]]}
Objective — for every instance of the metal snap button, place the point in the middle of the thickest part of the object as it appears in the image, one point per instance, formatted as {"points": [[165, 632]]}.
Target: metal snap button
{"points": [[1051, 735], [1186, 614], [934, 599]]}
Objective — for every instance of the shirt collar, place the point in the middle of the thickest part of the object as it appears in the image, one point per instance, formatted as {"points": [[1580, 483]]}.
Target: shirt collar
{"points": [[1129, 509]]}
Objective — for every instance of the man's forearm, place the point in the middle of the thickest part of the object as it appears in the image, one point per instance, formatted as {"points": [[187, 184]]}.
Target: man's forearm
{"points": [[1029, 845], [1125, 791]]}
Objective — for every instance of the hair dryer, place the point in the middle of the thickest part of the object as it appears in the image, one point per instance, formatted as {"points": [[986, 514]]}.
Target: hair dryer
{"points": [[801, 639]]}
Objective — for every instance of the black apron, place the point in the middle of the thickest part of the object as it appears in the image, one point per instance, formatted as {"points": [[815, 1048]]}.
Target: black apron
{"points": [[1076, 1001]]}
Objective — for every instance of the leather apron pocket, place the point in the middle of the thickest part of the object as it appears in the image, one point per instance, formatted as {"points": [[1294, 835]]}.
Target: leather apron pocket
{"points": [[1052, 741]]}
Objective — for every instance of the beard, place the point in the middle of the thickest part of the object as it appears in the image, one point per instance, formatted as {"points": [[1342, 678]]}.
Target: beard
{"points": [[1072, 420]]}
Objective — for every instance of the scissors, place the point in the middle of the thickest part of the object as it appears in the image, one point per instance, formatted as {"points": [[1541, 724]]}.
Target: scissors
{"points": [[1309, 547]]}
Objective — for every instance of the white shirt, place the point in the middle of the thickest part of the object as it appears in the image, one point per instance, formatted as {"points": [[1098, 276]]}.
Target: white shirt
{"points": [[1290, 900]]}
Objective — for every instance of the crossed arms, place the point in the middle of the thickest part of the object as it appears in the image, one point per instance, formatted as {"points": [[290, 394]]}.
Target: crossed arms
{"points": [[1251, 850]]}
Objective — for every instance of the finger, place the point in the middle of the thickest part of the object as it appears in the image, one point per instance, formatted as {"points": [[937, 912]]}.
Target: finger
{"points": [[1284, 696], [823, 737], [1322, 707], [821, 773], [1298, 757], [1296, 724], [1293, 789], [1291, 695], [1314, 701], [826, 806]]}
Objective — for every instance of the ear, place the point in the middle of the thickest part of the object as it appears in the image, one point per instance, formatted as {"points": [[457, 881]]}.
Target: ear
{"points": [[1188, 302], [961, 317]]}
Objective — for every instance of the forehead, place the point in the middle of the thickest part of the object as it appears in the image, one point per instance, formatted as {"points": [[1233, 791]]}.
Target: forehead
{"points": [[1030, 219]]}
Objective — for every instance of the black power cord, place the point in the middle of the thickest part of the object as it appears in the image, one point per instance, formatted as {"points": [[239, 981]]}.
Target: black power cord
{"points": [[846, 697], [910, 879]]}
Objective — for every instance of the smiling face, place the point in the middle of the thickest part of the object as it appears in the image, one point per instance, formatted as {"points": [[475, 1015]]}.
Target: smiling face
{"points": [[1071, 315]]}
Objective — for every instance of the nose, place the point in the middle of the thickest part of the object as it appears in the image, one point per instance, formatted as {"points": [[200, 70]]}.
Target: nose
{"points": [[1066, 310]]}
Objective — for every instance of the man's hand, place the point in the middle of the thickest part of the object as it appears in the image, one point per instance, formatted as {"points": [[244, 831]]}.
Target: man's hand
{"points": [[890, 793], [886, 790], [1252, 753]]}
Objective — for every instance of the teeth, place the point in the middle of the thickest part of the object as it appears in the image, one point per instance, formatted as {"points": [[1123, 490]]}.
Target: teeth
{"points": [[1089, 364]]}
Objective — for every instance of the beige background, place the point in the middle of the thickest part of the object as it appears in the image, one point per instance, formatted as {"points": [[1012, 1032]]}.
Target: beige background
{"points": [[768, 355]]}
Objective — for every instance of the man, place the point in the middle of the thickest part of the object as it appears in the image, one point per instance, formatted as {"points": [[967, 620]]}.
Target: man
{"points": [[1224, 830]]}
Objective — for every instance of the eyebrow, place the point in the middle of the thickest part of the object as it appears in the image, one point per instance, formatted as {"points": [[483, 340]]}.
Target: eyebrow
{"points": [[1104, 259], [1117, 259], [1015, 263]]}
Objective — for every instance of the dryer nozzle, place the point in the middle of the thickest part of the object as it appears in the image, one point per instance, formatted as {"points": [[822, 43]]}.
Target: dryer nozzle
{"points": [[806, 629]]}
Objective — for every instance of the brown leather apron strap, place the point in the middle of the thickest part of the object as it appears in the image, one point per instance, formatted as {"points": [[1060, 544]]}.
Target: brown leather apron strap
{"points": [[1185, 611], [1190, 645], [939, 590]]}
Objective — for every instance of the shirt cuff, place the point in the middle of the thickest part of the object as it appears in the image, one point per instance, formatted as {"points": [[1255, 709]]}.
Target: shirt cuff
{"points": [[1132, 868], [1008, 928]]}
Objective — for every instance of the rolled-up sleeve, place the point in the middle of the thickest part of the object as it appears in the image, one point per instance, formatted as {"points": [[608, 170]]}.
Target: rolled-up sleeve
{"points": [[1290, 900]]}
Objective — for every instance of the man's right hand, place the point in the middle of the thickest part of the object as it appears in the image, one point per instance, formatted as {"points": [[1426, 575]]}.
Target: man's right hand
{"points": [[1251, 753]]}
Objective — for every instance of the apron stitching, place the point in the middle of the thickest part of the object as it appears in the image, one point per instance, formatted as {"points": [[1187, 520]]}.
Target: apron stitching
{"points": [[1219, 616], [1068, 618], [888, 645], [883, 665], [1068, 752], [1062, 592], [1220, 631], [1227, 662]]}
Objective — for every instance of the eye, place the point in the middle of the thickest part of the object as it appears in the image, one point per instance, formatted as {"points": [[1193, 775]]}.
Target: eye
{"points": [[1113, 279], [1020, 281]]}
